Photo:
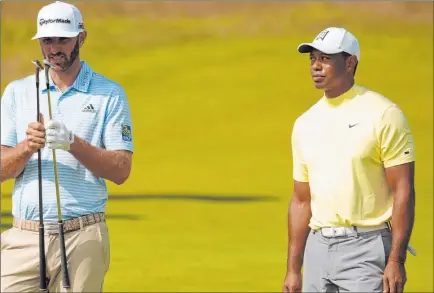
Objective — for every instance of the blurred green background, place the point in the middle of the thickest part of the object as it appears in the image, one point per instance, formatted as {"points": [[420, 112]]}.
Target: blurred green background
{"points": [[215, 88]]}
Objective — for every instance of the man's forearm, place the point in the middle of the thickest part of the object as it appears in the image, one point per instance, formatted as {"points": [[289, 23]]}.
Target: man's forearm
{"points": [[13, 161], [402, 224], [298, 231], [111, 165]]}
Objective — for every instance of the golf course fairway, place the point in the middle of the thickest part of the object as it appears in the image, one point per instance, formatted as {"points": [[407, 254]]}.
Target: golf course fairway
{"points": [[215, 88]]}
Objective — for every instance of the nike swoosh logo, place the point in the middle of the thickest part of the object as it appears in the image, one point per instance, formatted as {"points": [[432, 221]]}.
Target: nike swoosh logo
{"points": [[352, 125]]}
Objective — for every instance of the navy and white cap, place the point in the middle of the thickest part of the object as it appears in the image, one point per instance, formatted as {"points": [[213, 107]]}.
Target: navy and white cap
{"points": [[59, 19], [333, 40]]}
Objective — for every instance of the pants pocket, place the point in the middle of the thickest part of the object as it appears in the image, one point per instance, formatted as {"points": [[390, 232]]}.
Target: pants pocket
{"points": [[3, 239], [386, 240], [105, 242]]}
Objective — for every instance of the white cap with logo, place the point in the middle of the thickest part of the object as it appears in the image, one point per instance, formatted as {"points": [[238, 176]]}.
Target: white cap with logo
{"points": [[59, 19], [333, 40]]}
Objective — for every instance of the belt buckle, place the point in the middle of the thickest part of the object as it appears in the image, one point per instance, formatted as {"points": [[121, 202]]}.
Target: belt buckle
{"points": [[336, 232], [328, 232], [339, 231]]}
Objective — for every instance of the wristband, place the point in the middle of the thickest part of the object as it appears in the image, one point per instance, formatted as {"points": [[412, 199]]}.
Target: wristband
{"points": [[398, 261]]}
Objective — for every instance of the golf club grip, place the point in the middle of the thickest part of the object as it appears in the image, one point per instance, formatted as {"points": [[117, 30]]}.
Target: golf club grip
{"points": [[42, 272], [63, 262], [49, 98]]}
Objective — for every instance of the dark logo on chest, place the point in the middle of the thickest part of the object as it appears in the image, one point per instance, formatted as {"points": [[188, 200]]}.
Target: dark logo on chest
{"points": [[89, 109]]}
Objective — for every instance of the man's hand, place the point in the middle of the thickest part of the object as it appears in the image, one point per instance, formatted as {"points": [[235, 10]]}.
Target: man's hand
{"points": [[58, 136], [394, 277], [35, 136], [292, 283]]}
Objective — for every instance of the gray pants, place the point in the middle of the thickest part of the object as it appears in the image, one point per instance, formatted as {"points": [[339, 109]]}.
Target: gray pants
{"points": [[346, 264]]}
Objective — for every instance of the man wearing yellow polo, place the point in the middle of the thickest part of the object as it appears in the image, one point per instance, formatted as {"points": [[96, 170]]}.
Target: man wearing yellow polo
{"points": [[353, 170]]}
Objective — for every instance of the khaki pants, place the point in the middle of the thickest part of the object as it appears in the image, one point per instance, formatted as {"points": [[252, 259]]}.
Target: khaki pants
{"points": [[88, 256]]}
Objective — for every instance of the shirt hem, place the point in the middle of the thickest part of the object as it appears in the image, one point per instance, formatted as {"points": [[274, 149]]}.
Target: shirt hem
{"points": [[363, 224], [301, 180], [119, 148], [398, 162], [9, 144]]}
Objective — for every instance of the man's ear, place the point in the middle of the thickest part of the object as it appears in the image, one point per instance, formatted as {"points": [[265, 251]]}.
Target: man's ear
{"points": [[351, 63], [82, 37]]}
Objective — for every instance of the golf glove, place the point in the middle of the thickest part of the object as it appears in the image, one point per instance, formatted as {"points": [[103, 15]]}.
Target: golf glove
{"points": [[58, 136]]}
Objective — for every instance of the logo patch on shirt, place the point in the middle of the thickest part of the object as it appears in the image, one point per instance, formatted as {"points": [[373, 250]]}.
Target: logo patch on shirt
{"points": [[126, 133], [89, 108]]}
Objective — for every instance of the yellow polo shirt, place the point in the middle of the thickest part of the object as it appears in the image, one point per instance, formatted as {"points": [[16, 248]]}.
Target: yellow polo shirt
{"points": [[341, 146]]}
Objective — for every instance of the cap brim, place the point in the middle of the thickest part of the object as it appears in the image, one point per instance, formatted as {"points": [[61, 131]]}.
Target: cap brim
{"points": [[308, 47], [55, 34]]}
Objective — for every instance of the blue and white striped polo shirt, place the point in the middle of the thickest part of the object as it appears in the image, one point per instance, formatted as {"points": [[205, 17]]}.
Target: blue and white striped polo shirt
{"points": [[95, 109]]}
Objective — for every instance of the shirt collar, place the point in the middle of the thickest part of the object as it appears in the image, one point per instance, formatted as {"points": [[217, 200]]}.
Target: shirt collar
{"points": [[345, 97], [81, 83]]}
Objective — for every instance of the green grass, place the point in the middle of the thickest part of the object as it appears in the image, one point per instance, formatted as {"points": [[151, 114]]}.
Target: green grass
{"points": [[213, 102]]}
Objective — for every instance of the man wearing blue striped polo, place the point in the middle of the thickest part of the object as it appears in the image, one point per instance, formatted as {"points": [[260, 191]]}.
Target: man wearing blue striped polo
{"points": [[91, 130]]}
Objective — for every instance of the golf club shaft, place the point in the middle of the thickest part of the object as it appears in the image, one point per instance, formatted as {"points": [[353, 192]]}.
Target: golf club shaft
{"points": [[42, 263], [410, 248], [63, 261]]}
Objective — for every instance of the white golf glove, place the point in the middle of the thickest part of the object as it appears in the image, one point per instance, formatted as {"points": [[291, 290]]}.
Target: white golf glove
{"points": [[58, 136]]}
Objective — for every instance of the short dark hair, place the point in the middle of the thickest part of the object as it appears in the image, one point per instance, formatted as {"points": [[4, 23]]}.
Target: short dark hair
{"points": [[346, 55]]}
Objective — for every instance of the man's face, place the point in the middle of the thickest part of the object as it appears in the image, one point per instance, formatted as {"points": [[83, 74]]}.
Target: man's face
{"points": [[327, 70], [60, 52]]}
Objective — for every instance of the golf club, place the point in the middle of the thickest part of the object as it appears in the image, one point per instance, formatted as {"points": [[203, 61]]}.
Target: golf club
{"points": [[64, 268], [42, 263], [411, 250]]}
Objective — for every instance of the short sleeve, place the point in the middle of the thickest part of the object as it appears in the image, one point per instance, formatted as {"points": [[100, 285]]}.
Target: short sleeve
{"points": [[300, 171], [396, 139], [8, 114], [118, 129]]}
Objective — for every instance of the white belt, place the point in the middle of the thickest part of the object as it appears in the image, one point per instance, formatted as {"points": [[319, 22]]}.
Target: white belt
{"points": [[347, 231]]}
